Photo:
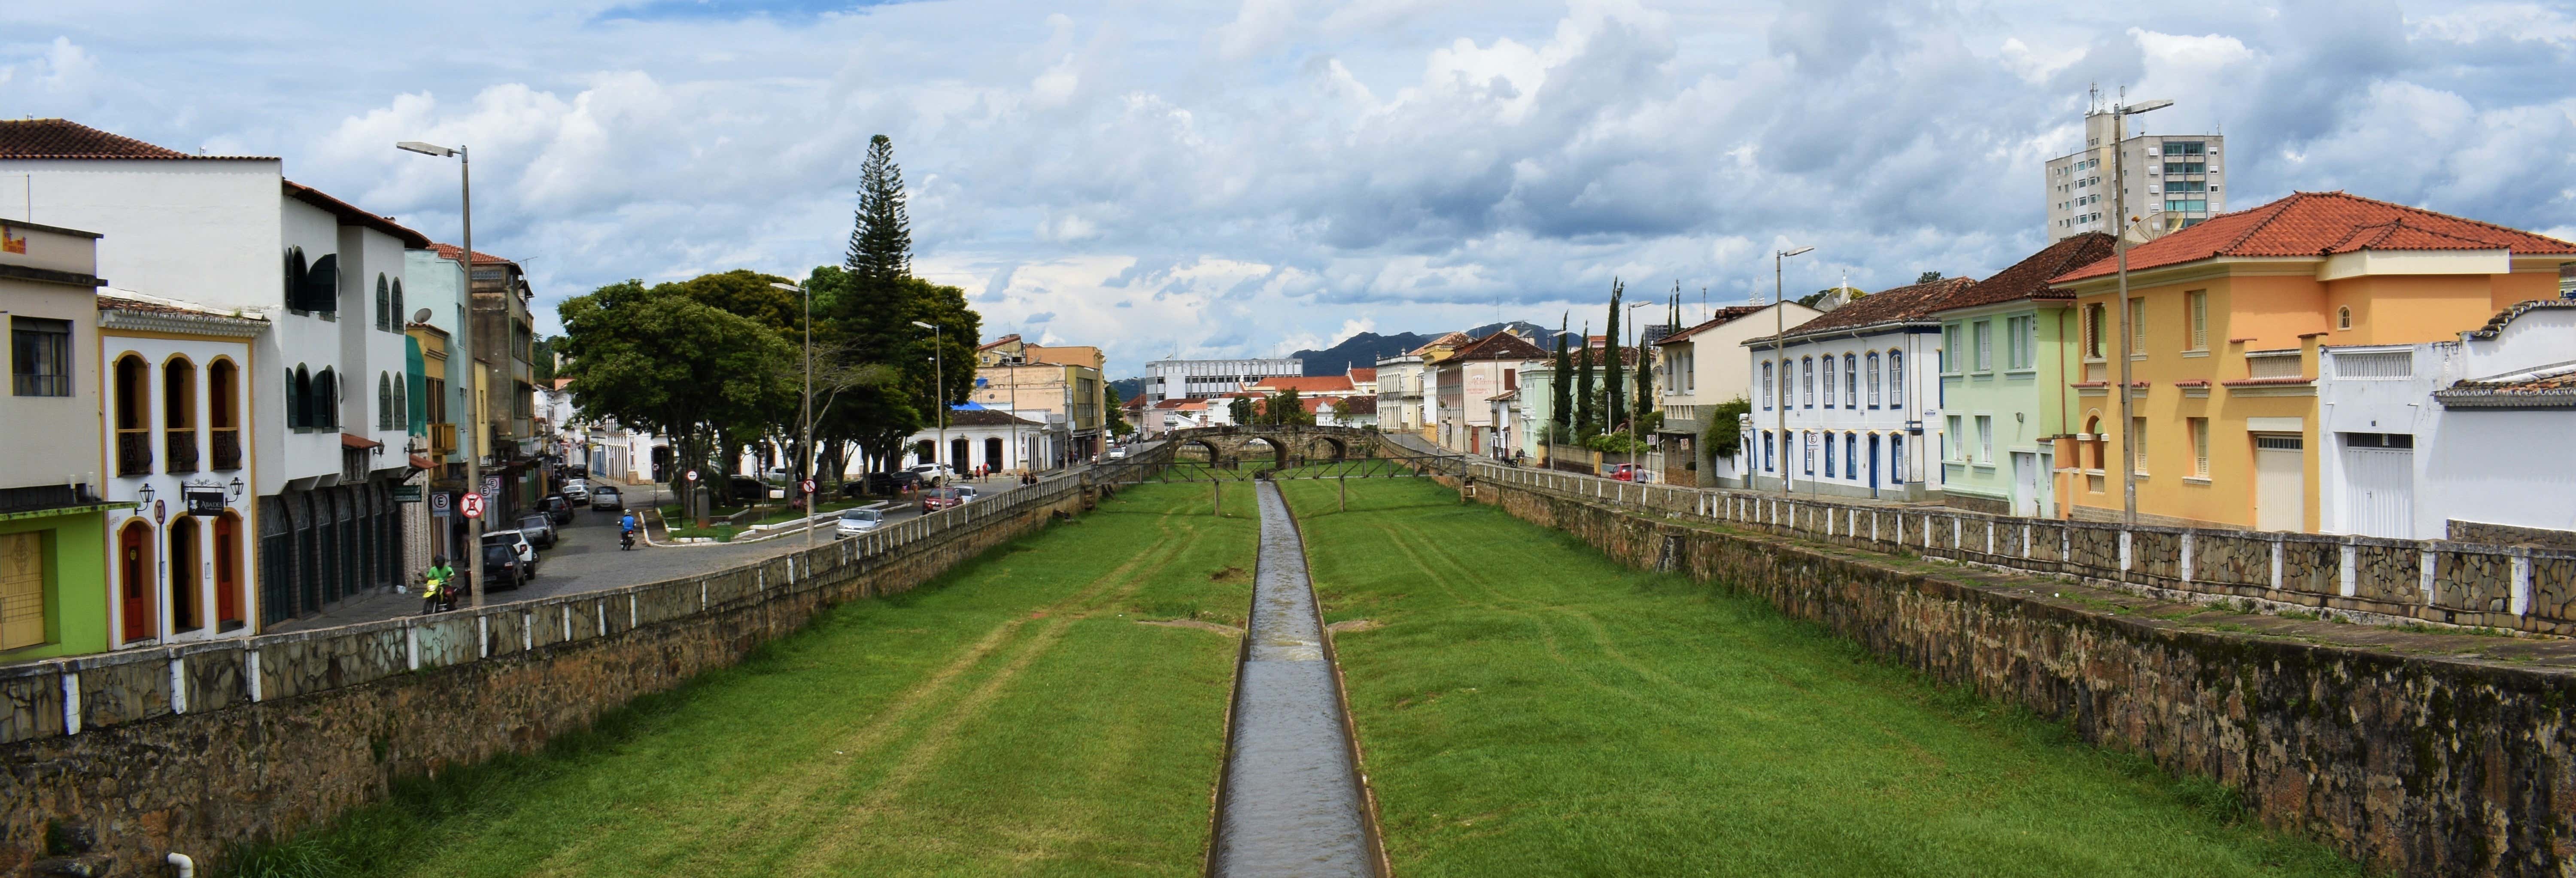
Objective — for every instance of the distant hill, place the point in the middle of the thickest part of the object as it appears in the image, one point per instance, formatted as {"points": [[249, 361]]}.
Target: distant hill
{"points": [[1127, 388], [1362, 350]]}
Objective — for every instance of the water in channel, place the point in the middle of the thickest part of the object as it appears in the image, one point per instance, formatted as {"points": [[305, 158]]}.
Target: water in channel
{"points": [[1292, 800]]}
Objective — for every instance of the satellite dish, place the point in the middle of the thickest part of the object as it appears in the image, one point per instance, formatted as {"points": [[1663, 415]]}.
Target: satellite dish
{"points": [[420, 316]]}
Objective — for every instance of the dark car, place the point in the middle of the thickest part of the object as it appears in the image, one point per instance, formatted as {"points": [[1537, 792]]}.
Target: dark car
{"points": [[606, 499], [936, 499], [539, 529], [501, 566], [558, 509], [745, 490], [882, 483]]}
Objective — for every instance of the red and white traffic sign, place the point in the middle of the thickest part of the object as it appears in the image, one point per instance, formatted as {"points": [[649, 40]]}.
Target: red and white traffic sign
{"points": [[473, 506], [809, 486], [693, 475]]}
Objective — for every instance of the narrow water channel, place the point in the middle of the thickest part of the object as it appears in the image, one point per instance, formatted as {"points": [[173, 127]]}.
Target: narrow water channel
{"points": [[1292, 801]]}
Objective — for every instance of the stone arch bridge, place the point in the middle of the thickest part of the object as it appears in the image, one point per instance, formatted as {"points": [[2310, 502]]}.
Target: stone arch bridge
{"points": [[1274, 446]]}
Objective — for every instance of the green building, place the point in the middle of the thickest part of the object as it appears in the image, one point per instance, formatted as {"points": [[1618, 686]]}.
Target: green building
{"points": [[53, 527], [2004, 384]]}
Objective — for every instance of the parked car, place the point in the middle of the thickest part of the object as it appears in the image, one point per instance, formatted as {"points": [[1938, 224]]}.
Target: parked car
{"points": [[502, 567], [935, 499], [539, 529], [933, 473], [854, 522], [1628, 472], [776, 475], [607, 499], [558, 509], [1119, 453], [965, 494], [881, 483], [517, 542], [577, 491], [745, 489]]}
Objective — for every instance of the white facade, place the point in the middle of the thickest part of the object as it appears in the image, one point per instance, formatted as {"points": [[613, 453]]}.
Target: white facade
{"points": [[1702, 366], [1196, 379], [2175, 180], [176, 387], [986, 440], [1869, 429], [1399, 394], [2403, 463]]}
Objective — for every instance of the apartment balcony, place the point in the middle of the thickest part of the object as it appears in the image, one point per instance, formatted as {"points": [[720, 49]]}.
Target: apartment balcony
{"points": [[181, 448], [227, 448], [134, 452]]}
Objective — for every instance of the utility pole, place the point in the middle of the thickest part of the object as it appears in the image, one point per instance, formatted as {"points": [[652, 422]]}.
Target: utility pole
{"points": [[805, 467], [2120, 253], [1779, 328], [474, 347]]}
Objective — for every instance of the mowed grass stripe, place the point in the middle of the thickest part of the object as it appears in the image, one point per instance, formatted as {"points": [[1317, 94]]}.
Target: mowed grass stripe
{"points": [[1008, 717], [1531, 708]]}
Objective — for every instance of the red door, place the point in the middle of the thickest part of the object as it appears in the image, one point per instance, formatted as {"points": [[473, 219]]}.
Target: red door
{"points": [[134, 567]]}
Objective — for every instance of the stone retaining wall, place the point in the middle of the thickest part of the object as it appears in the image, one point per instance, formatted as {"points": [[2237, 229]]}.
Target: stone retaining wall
{"points": [[2411, 762], [196, 748]]}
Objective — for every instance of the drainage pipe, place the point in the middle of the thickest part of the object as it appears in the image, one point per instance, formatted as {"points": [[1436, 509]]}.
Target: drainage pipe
{"points": [[187, 867]]}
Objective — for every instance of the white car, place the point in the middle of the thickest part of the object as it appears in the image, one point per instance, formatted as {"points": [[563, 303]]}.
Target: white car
{"points": [[965, 494], [854, 522], [518, 543], [933, 472], [1119, 453], [577, 492]]}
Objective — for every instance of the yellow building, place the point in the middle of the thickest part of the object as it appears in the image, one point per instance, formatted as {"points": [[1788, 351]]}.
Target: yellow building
{"points": [[2228, 317], [1058, 385]]}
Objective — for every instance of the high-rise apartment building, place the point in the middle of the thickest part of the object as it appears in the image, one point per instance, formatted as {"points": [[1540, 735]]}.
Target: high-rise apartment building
{"points": [[2175, 180]]}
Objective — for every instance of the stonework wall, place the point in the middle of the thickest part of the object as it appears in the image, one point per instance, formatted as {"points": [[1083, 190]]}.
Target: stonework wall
{"points": [[2407, 760], [2509, 535], [260, 738]]}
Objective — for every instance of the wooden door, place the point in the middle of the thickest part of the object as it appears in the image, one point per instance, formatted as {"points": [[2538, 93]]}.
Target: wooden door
{"points": [[135, 582]]}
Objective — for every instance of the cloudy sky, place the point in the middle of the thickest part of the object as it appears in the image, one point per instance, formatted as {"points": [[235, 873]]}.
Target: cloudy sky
{"points": [[1256, 176]]}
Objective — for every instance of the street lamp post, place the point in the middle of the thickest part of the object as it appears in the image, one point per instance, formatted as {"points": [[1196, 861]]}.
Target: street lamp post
{"points": [[1640, 392], [1779, 328], [939, 387], [2120, 114], [474, 342], [805, 467]]}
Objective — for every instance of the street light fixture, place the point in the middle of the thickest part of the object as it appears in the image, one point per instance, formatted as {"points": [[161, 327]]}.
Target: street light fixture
{"points": [[1779, 327], [473, 549], [805, 467], [2120, 220], [939, 387]]}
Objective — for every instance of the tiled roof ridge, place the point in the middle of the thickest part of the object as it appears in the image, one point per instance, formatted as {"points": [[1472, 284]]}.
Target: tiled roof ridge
{"points": [[2413, 209], [47, 138], [2495, 325], [2389, 230], [2278, 208]]}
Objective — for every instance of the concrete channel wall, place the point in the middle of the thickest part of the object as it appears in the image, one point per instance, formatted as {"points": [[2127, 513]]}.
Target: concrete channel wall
{"points": [[2414, 763], [196, 748]]}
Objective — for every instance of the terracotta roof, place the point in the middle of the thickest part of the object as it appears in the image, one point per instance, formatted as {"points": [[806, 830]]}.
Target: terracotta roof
{"points": [[1362, 405], [353, 440], [420, 461], [2028, 279], [1906, 304], [1501, 346], [451, 251], [2496, 324], [2323, 223], [1724, 316], [1362, 373], [65, 139], [2552, 386], [349, 214], [984, 418], [1007, 339], [1446, 340], [1305, 383]]}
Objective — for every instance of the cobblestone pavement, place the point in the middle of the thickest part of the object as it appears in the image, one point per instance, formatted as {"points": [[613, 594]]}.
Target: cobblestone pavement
{"points": [[586, 558]]}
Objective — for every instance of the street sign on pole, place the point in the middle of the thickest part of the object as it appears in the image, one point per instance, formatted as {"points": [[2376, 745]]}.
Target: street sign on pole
{"points": [[442, 504], [474, 506], [809, 487], [693, 475]]}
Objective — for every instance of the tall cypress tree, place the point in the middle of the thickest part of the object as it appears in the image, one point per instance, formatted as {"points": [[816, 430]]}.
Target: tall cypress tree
{"points": [[1560, 400], [1587, 418], [1617, 368]]}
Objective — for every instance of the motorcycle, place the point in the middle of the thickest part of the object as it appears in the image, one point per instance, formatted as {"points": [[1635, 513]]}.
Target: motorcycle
{"points": [[625, 539]]}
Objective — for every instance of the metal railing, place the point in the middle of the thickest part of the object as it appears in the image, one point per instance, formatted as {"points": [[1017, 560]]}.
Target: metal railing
{"points": [[227, 448], [179, 448], [134, 452]]}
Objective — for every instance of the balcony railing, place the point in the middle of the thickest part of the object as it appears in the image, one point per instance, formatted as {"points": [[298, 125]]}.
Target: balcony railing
{"points": [[134, 452], [181, 448], [2272, 364], [227, 448]]}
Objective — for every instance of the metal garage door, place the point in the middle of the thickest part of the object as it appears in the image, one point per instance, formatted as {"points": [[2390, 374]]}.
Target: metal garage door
{"points": [[2379, 485], [2280, 483]]}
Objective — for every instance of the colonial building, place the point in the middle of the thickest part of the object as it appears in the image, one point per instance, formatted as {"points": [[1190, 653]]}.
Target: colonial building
{"points": [[982, 440], [1848, 402], [1469, 377], [1399, 394], [2005, 382], [2230, 320], [1700, 367], [176, 399], [53, 592]]}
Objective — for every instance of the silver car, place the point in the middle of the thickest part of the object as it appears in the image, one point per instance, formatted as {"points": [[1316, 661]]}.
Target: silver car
{"points": [[855, 522]]}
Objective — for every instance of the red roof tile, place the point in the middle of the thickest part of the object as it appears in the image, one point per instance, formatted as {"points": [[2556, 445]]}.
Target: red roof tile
{"points": [[2028, 279], [1362, 373], [1904, 304], [65, 139], [1500, 346], [451, 251], [2323, 223], [1305, 383], [1721, 317], [350, 214]]}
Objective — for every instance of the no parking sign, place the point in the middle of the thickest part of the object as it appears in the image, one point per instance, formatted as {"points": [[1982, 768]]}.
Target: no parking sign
{"points": [[474, 506]]}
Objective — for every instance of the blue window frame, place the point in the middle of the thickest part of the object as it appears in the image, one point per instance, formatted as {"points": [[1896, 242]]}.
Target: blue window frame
{"points": [[1766, 451], [1829, 453], [1851, 456], [1896, 460]]}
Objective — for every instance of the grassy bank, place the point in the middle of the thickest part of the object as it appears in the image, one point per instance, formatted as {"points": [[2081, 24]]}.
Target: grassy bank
{"points": [[1531, 708], [1011, 717]]}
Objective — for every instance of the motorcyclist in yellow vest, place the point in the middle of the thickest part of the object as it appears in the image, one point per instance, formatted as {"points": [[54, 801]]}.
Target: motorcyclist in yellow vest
{"points": [[434, 590]]}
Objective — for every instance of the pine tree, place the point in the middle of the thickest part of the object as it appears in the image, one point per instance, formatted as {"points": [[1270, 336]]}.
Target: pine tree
{"points": [[1560, 398], [881, 241], [1612, 363]]}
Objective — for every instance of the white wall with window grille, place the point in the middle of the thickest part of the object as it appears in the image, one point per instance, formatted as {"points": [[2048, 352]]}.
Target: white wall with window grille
{"points": [[2375, 364], [2272, 364]]}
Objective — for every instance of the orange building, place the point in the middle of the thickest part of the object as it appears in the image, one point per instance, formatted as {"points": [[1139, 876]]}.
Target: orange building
{"points": [[2227, 319]]}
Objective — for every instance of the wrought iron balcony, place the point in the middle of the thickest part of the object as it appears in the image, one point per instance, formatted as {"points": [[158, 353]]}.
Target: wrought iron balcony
{"points": [[227, 448], [134, 452], [181, 447]]}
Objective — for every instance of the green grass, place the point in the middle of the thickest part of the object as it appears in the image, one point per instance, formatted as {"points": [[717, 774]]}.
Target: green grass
{"points": [[1531, 708], [1010, 717]]}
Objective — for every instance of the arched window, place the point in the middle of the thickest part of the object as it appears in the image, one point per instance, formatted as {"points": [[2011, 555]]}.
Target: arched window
{"points": [[399, 318], [294, 278], [179, 415], [384, 401], [384, 301], [1829, 394], [1873, 379], [402, 402], [299, 399], [133, 408], [1895, 379], [324, 408], [2343, 317], [187, 613], [223, 413], [1766, 386], [1851, 381]]}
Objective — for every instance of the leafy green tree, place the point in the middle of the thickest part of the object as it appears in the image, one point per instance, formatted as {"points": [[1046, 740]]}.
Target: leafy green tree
{"points": [[1342, 412], [1286, 408], [541, 360], [1116, 423], [1241, 411], [870, 304], [1927, 277], [1725, 432], [659, 359]]}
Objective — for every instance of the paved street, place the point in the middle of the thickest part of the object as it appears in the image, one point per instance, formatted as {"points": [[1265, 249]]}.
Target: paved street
{"points": [[586, 558]]}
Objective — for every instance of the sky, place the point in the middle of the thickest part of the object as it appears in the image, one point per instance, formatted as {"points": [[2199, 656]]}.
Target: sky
{"points": [[1252, 177]]}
